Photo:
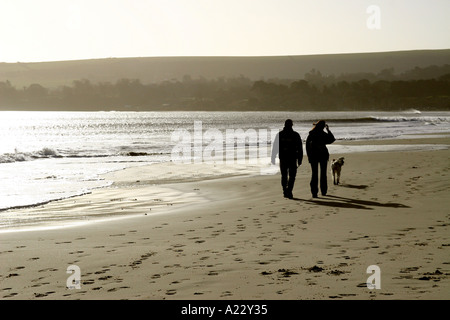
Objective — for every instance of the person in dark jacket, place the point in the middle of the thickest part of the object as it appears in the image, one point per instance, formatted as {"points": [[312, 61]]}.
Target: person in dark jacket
{"points": [[317, 153], [288, 146]]}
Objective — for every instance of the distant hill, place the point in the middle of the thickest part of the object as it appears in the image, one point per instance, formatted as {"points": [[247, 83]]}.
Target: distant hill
{"points": [[157, 69]]}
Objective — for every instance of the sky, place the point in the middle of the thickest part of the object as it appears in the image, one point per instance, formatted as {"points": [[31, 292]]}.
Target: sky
{"points": [[55, 30]]}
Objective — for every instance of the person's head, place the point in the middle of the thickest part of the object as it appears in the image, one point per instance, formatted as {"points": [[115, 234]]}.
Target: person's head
{"points": [[319, 126], [288, 124]]}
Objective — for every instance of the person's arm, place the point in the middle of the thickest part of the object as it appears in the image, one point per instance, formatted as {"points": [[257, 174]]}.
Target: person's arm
{"points": [[300, 150], [330, 136], [308, 147]]}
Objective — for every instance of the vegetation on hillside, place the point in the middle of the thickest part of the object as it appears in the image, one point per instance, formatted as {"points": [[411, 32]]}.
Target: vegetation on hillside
{"points": [[422, 88]]}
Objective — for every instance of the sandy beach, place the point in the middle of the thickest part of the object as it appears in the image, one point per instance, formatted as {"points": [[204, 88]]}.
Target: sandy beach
{"points": [[238, 238]]}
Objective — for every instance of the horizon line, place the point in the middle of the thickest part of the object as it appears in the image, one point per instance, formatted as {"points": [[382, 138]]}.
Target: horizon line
{"points": [[225, 56]]}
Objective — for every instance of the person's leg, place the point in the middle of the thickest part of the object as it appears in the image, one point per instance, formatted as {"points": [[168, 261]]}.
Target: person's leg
{"points": [[323, 177], [314, 178], [284, 175], [292, 175]]}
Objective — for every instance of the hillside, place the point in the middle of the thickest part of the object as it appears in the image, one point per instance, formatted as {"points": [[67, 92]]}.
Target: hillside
{"points": [[157, 69]]}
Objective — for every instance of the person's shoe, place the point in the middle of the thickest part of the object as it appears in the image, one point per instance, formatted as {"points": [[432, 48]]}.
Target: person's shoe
{"points": [[314, 196], [288, 194]]}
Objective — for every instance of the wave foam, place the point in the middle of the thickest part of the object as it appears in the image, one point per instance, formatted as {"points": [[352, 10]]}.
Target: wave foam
{"points": [[28, 156]]}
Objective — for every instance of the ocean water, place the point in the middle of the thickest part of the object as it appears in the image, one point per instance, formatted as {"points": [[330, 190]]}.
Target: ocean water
{"points": [[46, 156]]}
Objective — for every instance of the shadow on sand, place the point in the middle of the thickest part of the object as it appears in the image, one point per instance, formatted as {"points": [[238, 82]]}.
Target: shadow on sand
{"points": [[354, 186], [341, 202]]}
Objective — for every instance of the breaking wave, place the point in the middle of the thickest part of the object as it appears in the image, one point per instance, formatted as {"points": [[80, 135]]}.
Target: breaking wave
{"points": [[398, 118], [17, 156], [47, 153]]}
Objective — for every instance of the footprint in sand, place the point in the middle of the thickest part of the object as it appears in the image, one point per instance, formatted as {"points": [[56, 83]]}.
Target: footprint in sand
{"points": [[12, 275], [362, 285], [336, 272], [12, 294], [48, 269], [88, 282], [136, 263], [171, 292], [226, 294], [101, 271], [41, 295], [19, 268], [74, 252]]}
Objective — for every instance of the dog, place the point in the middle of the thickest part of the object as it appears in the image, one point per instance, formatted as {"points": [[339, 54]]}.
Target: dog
{"points": [[336, 166]]}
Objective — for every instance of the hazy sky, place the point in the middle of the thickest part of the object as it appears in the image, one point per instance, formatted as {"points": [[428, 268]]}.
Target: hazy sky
{"points": [[46, 30]]}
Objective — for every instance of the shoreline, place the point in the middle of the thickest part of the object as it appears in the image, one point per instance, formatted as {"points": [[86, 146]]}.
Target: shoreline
{"points": [[125, 178], [419, 138], [238, 238]]}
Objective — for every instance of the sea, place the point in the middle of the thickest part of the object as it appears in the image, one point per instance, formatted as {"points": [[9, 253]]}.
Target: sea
{"points": [[48, 156]]}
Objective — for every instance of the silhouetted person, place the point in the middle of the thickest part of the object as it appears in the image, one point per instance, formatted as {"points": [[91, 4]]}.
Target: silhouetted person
{"points": [[288, 146], [318, 155]]}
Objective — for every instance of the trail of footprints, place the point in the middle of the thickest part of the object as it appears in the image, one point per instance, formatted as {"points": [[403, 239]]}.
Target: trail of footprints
{"points": [[198, 244]]}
